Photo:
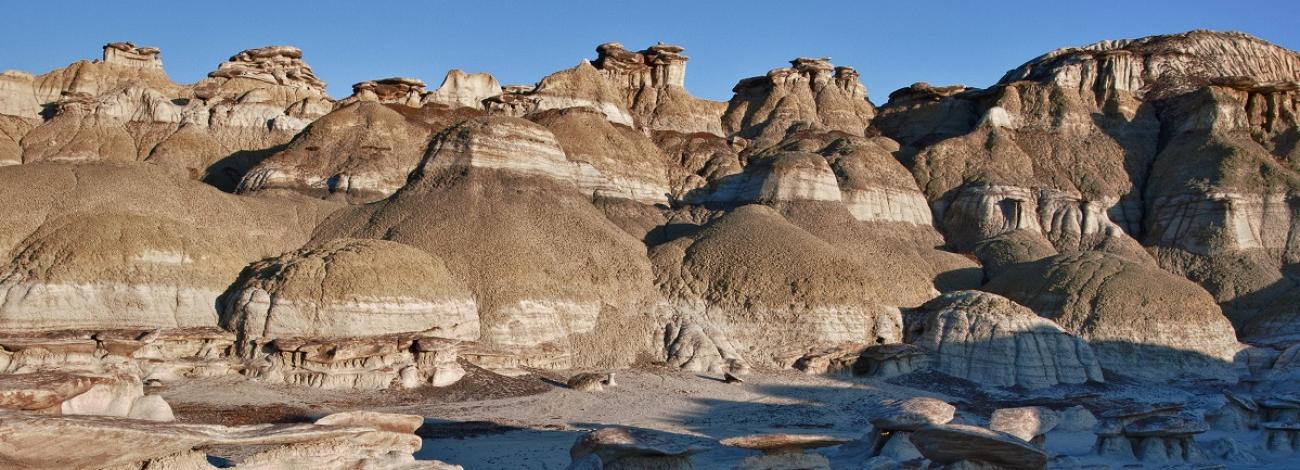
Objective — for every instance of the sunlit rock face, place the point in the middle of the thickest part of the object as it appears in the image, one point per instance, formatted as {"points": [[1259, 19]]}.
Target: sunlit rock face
{"points": [[497, 199], [358, 153], [464, 90], [1181, 142], [350, 288], [786, 275], [810, 94], [653, 84], [125, 108]]}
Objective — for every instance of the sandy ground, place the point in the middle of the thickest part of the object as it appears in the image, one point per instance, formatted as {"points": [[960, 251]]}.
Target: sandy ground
{"points": [[492, 422]]}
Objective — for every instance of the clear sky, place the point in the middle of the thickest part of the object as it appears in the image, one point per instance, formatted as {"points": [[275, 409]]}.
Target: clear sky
{"points": [[892, 43]]}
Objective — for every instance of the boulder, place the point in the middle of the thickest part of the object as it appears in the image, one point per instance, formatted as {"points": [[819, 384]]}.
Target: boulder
{"points": [[912, 414], [1026, 423], [949, 444]]}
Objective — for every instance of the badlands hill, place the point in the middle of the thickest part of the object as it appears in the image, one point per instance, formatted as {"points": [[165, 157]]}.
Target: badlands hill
{"points": [[1114, 214]]}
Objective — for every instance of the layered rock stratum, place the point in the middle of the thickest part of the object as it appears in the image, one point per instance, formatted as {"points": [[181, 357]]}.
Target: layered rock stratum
{"points": [[1117, 213]]}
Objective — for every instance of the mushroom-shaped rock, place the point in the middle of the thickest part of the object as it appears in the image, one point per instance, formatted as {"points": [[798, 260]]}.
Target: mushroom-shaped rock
{"points": [[1168, 438], [1028, 423], [784, 450], [349, 288], [652, 82], [986, 338], [1094, 295], [634, 448], [399, 90], [496, 199], [949, 444]]}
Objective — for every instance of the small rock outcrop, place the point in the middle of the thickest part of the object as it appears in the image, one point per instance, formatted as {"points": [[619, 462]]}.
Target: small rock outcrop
{"points": [[988, 339]]}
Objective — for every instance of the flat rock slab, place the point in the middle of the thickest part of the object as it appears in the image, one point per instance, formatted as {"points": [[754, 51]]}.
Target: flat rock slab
{"points": [[612, 444], [951, 443], [1162, 426], [914, 413], [776, 443], [42, 390]]}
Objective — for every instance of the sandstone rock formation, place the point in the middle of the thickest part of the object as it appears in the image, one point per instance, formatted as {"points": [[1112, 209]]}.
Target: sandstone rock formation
{"points": [[496, 199], [129, 246], [789, 276], [1094, 295], [631, 448], [464, 90], [811, 94], [988, 339], [653, 83], [350, 288], [360, 152], [954, 444], [373, 441]]}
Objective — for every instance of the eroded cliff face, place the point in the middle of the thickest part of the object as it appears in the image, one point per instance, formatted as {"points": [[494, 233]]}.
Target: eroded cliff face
{"points": [[604, 215], [1182, 143]]}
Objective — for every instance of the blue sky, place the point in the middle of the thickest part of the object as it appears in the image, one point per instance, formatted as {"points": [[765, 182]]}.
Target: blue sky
{"points": [[892, 44]]}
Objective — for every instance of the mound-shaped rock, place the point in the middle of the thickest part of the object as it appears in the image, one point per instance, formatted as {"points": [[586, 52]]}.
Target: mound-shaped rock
{"points": [[359, 153], [496, 199], [988, 339], [122, 246], [1134, 328], [115, 271], [810, 94], [751, 268], [350, 288]]}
